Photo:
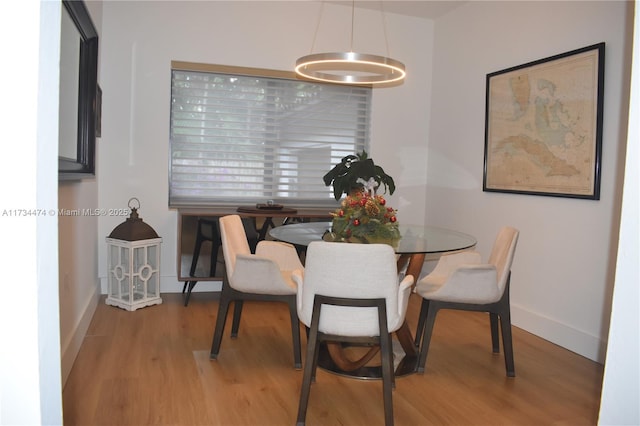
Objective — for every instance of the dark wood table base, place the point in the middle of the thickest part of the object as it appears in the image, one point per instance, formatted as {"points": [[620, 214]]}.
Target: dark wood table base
{"points": [[416, 242], [333, 356], [408, 365]]}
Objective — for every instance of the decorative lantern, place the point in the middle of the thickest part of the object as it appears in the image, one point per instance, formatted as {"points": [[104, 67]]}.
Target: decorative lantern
{"points": [[133, 264]]}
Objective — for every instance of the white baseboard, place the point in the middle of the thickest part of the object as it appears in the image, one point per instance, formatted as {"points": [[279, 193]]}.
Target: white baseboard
{"points": [[568, 337], [73, 341]]}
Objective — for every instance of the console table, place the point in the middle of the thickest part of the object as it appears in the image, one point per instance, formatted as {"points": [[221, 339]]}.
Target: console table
{"points": [[264, 219]]}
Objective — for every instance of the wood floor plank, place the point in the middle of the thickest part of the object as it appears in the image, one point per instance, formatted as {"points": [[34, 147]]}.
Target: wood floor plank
{"points": [[152, 367]]}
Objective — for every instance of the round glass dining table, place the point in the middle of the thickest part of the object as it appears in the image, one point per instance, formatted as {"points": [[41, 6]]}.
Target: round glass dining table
{"points": [[414, 239], [416, 242]]}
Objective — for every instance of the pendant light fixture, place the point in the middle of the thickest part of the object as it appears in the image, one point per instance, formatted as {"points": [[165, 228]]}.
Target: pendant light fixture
{"points": [[350, 67]]}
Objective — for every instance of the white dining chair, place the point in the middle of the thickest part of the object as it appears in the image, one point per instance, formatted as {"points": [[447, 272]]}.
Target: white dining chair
{"points": [[351, 293], [462, 281], [264, 276]]}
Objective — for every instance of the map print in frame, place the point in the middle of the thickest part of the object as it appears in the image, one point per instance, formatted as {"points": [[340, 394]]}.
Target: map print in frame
{"points": [[543, 129]]}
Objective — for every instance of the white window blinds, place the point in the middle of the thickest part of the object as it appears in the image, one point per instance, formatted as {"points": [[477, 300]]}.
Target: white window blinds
{"points": [[245, 139]]}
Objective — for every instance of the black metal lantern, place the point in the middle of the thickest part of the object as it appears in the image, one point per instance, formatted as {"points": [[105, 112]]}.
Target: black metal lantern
{"points": [[133, 263]]}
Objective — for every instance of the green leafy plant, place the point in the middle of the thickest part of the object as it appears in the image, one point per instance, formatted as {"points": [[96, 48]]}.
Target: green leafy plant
{"points": [[352, 171]]}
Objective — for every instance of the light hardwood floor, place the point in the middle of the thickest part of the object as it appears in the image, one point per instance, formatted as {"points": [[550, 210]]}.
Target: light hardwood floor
{"points": [[152, 366]]}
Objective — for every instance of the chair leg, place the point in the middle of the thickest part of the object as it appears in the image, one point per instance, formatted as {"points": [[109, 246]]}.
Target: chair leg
{"points": [[432, 310], [214, 259], [393, 374], [191, 284], [386, 360], [387, 377], [314, 362], [237, 313], [507, 343], [309, 367], [295, 332], [221, 320], [424, 307], [505, 324], [194, 264], [196, 254], [495, 341], [253, 234]]}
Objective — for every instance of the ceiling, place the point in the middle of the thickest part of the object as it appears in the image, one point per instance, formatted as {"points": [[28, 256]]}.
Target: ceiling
{"points": [[430, 9]]}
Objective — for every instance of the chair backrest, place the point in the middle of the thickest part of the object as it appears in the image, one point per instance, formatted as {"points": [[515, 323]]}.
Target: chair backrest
{"points": [[502, 254], [234, 241], [358, 271]]}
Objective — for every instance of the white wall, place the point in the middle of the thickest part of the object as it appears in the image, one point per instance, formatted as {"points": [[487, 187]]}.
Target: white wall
{"points": [[621, 384], [563, 274], [79, 286], [564, 265], [140, 39], [30, 385]]}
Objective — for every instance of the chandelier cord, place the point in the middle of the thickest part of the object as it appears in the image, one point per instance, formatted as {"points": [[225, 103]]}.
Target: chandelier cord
{"points": [[353, 14], [384, 27], [383, 18], [315, 34]]}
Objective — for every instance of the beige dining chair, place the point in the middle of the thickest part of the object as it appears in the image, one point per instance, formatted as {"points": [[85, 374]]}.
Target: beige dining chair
{"points": [[265, 276], [462, 281], [351, 293]]}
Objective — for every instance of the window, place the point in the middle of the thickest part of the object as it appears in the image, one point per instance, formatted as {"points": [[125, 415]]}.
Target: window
{"points": [[242, 138]]}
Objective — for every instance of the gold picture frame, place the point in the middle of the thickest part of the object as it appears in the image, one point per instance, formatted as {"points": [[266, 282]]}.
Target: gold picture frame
{"points": [[543, 128]]}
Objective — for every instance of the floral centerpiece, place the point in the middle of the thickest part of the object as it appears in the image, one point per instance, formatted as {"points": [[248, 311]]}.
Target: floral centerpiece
{"points": [[364, 217]]}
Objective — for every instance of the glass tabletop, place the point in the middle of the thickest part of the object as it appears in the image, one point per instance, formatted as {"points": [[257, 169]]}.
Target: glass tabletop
{"points": [[414, 239]]}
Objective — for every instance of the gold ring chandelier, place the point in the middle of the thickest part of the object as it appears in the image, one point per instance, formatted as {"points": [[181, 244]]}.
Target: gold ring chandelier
{"points": [[350, 67]]}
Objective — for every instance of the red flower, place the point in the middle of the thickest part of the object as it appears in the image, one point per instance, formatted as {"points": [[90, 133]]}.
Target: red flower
{"points": [[341, 213], [393, 219], [356, 222]]}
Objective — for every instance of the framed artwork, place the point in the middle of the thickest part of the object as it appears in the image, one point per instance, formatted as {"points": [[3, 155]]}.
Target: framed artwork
{"points": [[78, 92], [99, 112], [543, 128]]}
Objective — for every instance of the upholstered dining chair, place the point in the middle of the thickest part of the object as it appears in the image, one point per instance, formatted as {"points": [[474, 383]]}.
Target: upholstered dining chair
{"points": [[462, 281], [351, 293], [265, 275]]}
